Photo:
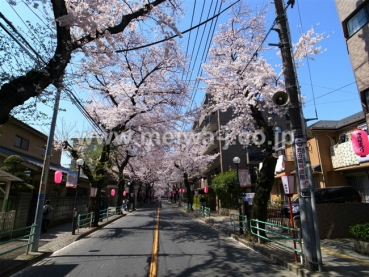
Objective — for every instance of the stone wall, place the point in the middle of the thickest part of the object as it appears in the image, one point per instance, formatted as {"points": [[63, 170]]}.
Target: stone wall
{"points": [[25, 208]]}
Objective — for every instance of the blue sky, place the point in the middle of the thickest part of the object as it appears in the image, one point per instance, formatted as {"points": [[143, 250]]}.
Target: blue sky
{"points": [[327, 83]]}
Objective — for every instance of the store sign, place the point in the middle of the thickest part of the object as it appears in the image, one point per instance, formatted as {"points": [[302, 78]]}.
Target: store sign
{"points": [[72, 179], [244, 177], [300, 146]]}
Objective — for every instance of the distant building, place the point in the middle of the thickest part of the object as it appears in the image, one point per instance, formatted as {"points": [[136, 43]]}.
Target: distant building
{"points": [[250, 156]]}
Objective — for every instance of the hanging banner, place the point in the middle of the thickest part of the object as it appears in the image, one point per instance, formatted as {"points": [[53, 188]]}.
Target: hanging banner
{"points": [[244, 177], [72, 179], [300, 146]]}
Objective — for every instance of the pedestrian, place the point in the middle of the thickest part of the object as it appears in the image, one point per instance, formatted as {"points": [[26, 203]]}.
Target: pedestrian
{"points": [[203, 201], [125, 203], [46, 215]]}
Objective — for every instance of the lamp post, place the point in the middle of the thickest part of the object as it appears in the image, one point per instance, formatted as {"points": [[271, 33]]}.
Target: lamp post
{"points": [[80, 163], [136, 191], [236, 161]]}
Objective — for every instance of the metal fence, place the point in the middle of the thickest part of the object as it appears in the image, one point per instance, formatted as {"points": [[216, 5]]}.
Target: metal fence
{"points": [[278, 236], [238, 220], [21, 244], [85, 220]]}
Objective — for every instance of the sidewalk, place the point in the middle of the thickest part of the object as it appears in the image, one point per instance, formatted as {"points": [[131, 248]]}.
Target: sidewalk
{"points": [[338, 255], [55, 239]]}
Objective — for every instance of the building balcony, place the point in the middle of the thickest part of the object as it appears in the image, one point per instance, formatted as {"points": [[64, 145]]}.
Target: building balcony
{"points": [[343, 155]]}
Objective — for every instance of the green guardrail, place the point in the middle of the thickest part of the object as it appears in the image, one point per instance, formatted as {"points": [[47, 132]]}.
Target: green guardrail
{"points": [[29, 236], [295, 238], [238, 220], [205, 211], [106, 213], [85, 220]]}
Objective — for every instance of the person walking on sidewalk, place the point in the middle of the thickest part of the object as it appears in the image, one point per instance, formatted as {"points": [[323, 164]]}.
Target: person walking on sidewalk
{"points": [[203, 201], [46, 215]]}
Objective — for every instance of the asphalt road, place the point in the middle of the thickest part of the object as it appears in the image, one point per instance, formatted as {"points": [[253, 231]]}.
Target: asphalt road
{"points": [[186, 247]]}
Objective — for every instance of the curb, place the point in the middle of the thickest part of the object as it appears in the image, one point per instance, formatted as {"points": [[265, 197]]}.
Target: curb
{"points": [[35, 257], [30, 259], [259, 248]]}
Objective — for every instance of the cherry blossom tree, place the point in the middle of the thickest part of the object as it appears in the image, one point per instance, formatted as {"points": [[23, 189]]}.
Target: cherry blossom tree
{"points": [[70, 31], [135, 97], [187, 162], [147, 169], [239, 78]]}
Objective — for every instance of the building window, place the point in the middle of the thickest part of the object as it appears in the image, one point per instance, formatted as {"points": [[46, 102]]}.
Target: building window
{"points": [[366, 95], [358, 20], [21, 142]]}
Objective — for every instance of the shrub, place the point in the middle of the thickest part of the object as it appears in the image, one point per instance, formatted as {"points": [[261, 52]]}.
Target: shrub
{"points": [[360, 231]]}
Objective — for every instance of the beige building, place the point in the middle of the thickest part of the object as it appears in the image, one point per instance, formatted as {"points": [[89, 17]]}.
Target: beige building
{"points": [[332, 157], [17, 138], [354, 15]]}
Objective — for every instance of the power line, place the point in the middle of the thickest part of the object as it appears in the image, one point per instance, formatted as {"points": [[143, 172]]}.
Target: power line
{"points": [[307, 61], [330, 92], [17, 41], [205, 53], [174, 36], [52, 30], [20, 35], [36, 37]]}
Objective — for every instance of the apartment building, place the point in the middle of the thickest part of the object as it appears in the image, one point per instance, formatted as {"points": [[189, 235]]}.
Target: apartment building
{"points": [[250, 156], [354, 15]]}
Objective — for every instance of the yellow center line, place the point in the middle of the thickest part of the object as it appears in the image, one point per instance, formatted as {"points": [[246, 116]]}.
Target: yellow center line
{"points": [[330, 252], [155, 246]]}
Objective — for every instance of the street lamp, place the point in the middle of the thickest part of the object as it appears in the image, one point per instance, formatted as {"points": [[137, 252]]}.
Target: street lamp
{"points": [[80, 163], [136, 191], [236, 161]]}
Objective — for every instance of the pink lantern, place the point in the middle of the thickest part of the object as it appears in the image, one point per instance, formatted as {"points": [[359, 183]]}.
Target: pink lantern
{"points": [[58, 176], [124, 193], [112, 192], [360, 142], [206, 189]]}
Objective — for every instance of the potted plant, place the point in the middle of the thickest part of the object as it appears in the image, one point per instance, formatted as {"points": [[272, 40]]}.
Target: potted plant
{"points": [[360, 233]]}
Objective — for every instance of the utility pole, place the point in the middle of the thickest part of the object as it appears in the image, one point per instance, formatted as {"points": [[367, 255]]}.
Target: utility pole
{"points": [[45, 173], [310, 232]]}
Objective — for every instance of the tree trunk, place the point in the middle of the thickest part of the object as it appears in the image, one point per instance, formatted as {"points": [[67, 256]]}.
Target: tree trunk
{"points": [[189, 193], [121, 185], [263, 188]]}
